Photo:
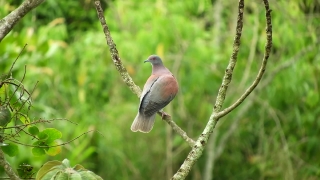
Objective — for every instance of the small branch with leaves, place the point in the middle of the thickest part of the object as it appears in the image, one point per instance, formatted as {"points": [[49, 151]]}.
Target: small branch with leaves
{"points": [[15, 104]]}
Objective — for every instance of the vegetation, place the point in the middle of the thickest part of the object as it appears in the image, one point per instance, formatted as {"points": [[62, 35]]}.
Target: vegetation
{"points": [[63, 170], [272, 135]]}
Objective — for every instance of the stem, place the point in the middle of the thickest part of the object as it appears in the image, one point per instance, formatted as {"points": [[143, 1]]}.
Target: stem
{"points": [[7, 167]]}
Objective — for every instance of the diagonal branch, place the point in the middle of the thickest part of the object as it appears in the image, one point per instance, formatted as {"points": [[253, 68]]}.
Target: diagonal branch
{"points": [[198, 148], [262, 68], [7, 167], [114, 53], [8, 22], [126, 77]]}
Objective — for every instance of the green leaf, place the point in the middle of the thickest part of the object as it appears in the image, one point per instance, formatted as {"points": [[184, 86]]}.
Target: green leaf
{"points": [[3, 92], [54, 174], [89, 175], [5, 116], [33, 130], [52, 151], [52, 166], [11, 150], [66, 163], [59, 176], [43, 136], [52, 134], [41, 144], [36, 151], [75, 176], [79, 167], [63, 170]]}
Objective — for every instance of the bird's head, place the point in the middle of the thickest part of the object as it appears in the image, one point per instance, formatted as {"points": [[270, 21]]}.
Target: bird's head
{"points": [[154, 60]]}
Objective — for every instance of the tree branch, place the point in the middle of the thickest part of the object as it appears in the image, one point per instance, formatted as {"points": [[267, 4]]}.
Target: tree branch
{"points": [[126, 77], [265, 82], [262, 68], [114, 53], [182, 133], [198, 148], [8, 22], [7, 167]]}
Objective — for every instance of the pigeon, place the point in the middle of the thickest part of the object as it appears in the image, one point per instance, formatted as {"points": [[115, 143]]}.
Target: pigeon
{"points": [[160, 88]]}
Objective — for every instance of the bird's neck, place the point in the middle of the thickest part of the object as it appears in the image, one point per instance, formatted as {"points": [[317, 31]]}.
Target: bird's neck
{"points": [[159, 69]]}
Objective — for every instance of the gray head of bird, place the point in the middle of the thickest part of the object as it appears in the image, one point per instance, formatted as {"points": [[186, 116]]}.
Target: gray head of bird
{"points": [[154, 60]]}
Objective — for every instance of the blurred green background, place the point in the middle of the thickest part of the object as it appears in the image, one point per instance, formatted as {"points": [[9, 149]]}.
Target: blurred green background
{"points": [[274, 134]]}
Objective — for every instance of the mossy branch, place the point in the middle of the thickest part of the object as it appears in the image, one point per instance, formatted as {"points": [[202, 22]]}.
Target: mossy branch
{"points": [[8, 22]]}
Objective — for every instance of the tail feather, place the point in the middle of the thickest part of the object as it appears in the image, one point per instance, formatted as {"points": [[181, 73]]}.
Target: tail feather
{"points": [[143, 123]]}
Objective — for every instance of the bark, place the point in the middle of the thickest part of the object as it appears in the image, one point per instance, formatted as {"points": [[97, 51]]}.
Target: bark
{"points": [[7, 167], [8, 22]]}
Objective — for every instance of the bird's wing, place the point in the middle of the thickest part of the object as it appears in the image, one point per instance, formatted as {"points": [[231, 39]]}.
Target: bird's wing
{"points": [[158, 94]]}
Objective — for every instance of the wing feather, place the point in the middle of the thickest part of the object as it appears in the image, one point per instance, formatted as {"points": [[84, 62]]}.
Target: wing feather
{"points": [[159, 94]]}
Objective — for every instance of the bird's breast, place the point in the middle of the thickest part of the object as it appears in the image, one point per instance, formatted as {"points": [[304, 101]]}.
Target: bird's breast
{"points": [[170, 87]]}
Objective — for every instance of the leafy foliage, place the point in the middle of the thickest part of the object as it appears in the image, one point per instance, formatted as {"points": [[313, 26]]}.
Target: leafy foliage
{"points": [[46, 143], [63, 170], [11, 149], [46, 139]]}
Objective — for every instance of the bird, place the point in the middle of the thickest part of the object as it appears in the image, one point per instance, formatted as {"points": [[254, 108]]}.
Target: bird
{"points": [[159, 90]]}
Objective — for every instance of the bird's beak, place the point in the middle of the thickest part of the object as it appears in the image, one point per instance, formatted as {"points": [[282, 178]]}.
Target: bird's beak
{"points": [[146, 61]]}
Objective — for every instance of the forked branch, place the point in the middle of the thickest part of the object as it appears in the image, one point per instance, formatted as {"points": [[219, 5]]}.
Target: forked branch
{"points": [[197, 150], [262, 68]]}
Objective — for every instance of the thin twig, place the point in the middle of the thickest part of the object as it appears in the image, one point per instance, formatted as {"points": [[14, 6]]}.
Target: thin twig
{"points": [[62, 144], [39, 121], [14, 62], [23, 102], [8, 81], [182, 133], [125, 75]]}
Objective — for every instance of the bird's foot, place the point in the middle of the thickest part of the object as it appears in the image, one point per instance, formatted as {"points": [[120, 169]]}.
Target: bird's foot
{"points": [[165, 116]]}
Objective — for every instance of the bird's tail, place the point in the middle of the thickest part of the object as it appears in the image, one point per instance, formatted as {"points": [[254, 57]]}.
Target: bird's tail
{"points": [[143, 123]]}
